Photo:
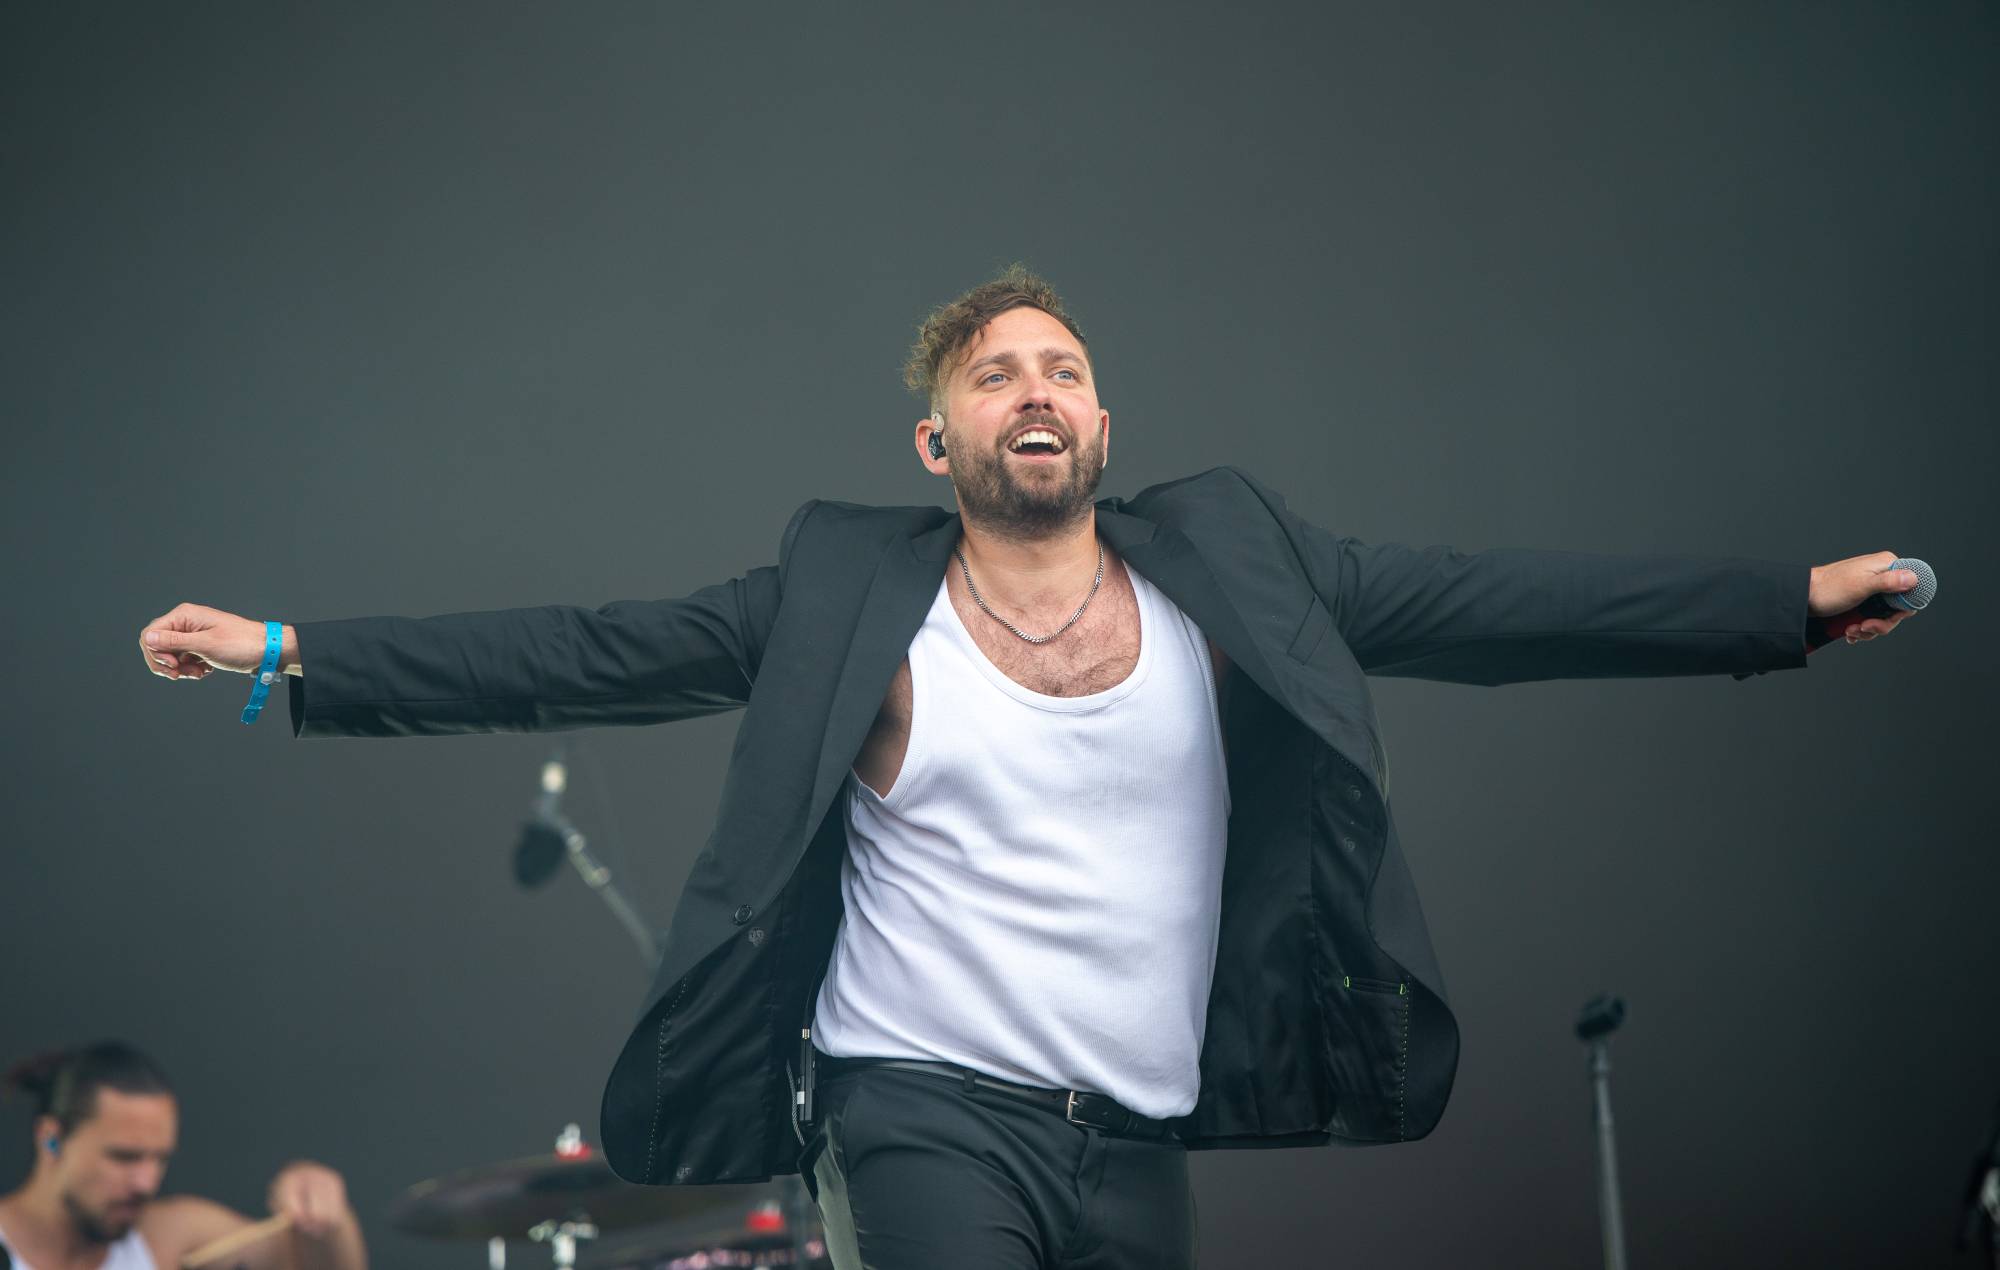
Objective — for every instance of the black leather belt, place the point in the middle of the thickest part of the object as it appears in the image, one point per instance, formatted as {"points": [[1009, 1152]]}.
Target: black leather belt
{"points": [[1080, 1107]]}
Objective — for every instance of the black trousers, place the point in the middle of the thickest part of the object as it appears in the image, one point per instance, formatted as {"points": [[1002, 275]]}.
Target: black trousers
{"points": [[911, 1170]]}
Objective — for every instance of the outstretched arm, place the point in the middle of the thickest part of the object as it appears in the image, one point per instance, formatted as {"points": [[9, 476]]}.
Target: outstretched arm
{"points": [[1509, 616], [511, 670]]}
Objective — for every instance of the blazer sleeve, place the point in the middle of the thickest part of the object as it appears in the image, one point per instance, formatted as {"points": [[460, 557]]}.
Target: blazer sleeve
{"points": [[1511, 615], [539, 669]]}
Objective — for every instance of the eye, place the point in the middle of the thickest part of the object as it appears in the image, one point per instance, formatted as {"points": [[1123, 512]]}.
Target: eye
{"points": [[1070, 373], [990, 376]]}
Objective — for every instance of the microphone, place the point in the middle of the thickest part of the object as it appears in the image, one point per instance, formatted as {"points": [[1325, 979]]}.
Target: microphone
{"points": [[1883, 605], [545, 836], [548, 838], [1600, 1017]]}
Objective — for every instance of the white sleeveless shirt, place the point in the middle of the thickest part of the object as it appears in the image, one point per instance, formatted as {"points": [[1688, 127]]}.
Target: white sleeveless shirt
{"points": [[128, 1253], [1038, 895]]}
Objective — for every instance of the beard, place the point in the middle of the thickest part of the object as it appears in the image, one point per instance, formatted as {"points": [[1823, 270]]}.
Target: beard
{"points": [[1023, 502], [99, 1228]]}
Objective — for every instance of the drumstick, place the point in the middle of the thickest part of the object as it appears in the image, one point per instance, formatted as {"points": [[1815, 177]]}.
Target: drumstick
{"points": [[217, 1249]]}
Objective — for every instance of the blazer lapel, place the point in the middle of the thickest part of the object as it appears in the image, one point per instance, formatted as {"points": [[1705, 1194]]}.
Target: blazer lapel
{"points": [[1172, 563], [903, 589]]}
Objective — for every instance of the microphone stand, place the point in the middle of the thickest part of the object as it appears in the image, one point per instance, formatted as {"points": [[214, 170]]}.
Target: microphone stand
{"points": [[1601, 1017], [1980, 1214], [598, 879]]}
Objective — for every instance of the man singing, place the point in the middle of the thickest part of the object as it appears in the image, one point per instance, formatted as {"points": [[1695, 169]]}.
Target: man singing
{"points": [[1062, 825]]}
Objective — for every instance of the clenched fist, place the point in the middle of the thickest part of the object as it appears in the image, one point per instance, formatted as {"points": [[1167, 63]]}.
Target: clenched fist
{"points": [[312, 1195], [193, 641]]}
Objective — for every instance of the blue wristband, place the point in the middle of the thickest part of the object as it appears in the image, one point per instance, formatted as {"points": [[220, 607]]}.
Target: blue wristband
{"points": [[274, 641]]}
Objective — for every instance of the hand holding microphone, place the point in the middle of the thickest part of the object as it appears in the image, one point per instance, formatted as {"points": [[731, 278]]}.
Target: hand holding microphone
{"points": [[1864, 597]]}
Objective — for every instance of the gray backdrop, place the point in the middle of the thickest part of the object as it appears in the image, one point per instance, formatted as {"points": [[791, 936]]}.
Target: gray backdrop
{"points": [[312, 314]]}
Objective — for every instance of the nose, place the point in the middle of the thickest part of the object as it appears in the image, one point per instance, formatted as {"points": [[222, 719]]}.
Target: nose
{"points": [[1036, 399]]}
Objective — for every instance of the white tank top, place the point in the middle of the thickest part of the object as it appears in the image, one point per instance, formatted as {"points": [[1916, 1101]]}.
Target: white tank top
{"points": [[1037, 897], [129, 1253]]}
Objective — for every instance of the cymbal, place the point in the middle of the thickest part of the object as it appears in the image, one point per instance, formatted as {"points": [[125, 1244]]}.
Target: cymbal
{"points": [[685, 1243], [509, 1199]]}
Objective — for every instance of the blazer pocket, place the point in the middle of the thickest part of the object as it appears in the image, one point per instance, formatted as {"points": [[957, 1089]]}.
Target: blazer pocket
{"points": [[1311, 631]]}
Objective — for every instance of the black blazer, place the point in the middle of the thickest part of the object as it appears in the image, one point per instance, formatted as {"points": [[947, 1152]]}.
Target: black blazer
{"points": [[1327, 1019]]}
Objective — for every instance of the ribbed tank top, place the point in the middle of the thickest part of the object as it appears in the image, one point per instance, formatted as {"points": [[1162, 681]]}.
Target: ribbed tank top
{"points": [[1037, 897]]}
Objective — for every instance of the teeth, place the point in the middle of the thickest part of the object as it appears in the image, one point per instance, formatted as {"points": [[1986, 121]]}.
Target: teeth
{"points": [[1033, 435]]}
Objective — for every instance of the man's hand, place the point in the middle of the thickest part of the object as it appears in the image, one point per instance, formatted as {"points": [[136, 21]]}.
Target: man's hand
{"points": [[313, 1196], [192, 641], [325, 1233], [1843, 585]]}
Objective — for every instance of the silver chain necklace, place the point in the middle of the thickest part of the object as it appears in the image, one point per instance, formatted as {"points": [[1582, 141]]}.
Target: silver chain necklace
{"points": [[1032, 639]]}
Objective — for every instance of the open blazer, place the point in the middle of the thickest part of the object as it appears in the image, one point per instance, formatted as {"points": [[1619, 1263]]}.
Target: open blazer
{"points": [[1327, 1020]]}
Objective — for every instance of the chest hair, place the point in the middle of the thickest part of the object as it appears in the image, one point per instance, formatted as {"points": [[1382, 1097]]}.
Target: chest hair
{"points": [[1095, 654]]}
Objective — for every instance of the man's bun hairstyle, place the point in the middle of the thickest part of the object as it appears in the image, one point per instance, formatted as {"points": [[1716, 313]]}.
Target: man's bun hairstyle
{"points": [[946, 332], [64, 1083]]}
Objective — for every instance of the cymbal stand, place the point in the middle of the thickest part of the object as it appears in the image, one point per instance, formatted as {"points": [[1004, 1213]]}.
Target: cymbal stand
{"points": [[561, 1238]]}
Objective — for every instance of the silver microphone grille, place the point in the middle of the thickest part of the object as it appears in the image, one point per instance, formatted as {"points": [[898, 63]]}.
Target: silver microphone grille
{"points": [[1923, 592]]}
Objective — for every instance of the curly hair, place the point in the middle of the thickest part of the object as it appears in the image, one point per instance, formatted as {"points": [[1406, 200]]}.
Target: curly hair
{"points": [[944, 335]]}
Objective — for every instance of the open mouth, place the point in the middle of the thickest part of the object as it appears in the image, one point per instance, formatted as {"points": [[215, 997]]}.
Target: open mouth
{"points": [[1036, 441]]}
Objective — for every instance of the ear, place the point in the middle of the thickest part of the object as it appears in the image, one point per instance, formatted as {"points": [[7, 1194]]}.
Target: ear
{"points": [[1104, 429], [48, 1136], [926, 428]]}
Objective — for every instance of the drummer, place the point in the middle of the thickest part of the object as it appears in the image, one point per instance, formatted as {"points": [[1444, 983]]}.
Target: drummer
{"points": [[105, 1127]]}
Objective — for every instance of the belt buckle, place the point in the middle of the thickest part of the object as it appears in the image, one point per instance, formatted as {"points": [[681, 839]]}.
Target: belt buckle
{"points": [[1069, 1112], [1093, 1118]]}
